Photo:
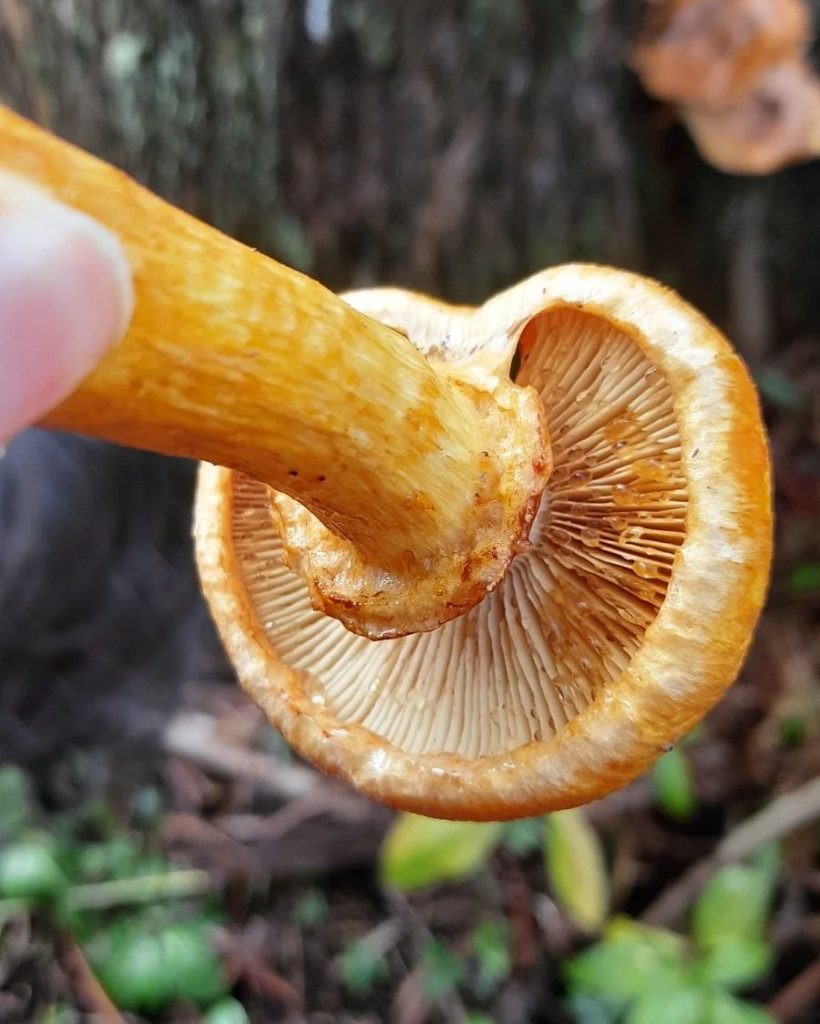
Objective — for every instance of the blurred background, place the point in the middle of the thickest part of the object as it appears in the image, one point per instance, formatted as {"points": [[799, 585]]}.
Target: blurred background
{"points": [[162, 855]]}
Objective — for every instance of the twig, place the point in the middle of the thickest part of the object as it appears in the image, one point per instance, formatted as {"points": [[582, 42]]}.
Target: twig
{"points": [[88, 986], [172, 885], [319, 843], [381, 939], [450, 1003], [785, 814], [193, 735], [327, 798], [800, 992], [410, 1005]]}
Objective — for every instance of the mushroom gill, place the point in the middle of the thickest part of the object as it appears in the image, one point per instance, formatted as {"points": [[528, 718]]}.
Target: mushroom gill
{"points": [[572, 609]]}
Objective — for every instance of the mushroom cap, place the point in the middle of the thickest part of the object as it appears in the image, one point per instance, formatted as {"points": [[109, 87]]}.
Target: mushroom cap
{"points": [[710, 53], [777, 123], [619, 626]]}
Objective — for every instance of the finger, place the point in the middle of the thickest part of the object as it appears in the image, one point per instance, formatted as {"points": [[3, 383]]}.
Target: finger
{"points": [[66, 295]]}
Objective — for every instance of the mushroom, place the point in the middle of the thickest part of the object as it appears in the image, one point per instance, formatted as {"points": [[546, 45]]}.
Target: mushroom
{"points": [[775, 124], [709, 53], [737, 73], [620, 624], [413, 609]]}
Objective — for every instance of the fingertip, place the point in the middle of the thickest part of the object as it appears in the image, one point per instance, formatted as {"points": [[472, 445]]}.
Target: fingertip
{"points": [[66, 296]]}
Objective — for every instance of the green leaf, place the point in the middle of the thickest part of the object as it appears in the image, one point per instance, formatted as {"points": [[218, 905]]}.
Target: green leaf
{"points": [[477, 1018], [591, 1010], [736, 963], [29, 871], [119, 857], [793, 730], [58, 1013], [311, 908], [491, 946], [725, 1009], [624, 966], [362, 968], [227, 1011], [663, 943], [422, 851], [16, 803], [734, 905], [668, 946], [145, 969], [694, 736], [676, 1005], [197, 971], [442, 969], [671, 781], [132, 969], [805, 578], [576, 869]]}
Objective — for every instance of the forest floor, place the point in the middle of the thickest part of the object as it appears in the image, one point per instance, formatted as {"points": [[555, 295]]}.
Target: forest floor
{"points": [[285, 862]]}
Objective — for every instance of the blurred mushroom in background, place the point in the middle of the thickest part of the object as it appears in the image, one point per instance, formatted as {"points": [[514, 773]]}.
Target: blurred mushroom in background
{"points": [[737, 73]]}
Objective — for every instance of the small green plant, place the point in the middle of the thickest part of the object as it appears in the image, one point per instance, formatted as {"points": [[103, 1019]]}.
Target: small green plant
{"points": [[57, 1013], [443, 970], [311, 908], [793, 731], [227, 1011], [576, 868], [805, 578], [671, 781], [29, 871], [642, 975], [115, 896], [491, 949], [421, 851], [146, 964], [363, 967]]}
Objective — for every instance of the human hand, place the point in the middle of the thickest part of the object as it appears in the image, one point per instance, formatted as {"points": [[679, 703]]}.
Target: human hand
{"points": [[66, 295]]}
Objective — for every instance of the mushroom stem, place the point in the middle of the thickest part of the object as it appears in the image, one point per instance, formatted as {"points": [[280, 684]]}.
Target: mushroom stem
{"points": [[235, 359]]}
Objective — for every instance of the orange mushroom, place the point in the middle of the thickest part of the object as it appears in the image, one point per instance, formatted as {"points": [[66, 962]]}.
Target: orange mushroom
{"points": [[736, 70], [620, 624], [539, 646]]}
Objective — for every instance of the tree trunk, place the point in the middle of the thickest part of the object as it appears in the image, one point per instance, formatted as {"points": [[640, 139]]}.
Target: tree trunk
{"points": [[448, 145]]}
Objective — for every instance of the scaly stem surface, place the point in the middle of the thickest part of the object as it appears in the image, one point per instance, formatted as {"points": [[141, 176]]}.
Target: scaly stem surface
{"points": [[235, 359]]}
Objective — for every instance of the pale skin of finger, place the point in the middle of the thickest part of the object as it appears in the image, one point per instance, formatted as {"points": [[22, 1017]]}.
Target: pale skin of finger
{"points": [[66, 296]]}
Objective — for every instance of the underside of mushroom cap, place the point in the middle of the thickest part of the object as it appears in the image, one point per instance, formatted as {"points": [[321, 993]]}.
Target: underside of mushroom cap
{"points": [[615, 630]]}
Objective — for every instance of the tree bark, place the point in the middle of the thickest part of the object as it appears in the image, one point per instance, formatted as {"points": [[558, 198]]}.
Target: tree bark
{"points": [[447, 145]]}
